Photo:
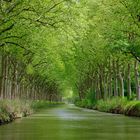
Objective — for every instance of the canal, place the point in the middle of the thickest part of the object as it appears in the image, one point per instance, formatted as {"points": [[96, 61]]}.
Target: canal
{"points": [[67, 122]]}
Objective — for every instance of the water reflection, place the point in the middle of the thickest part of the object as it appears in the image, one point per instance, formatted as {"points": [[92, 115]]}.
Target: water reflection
{"points": [[71, 123]]}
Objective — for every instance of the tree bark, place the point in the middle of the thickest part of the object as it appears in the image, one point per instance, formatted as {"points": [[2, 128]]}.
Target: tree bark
{"points": [[115, 79], [129, 82], [121, 81], [110, 92], [137, 80]]}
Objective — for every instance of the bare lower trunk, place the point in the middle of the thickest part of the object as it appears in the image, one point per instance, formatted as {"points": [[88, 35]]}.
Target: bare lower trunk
{"points": [[115, 79], [137, 80], [110, 81], [129, 82], [1, 76], [120, 79], [121, 85]]}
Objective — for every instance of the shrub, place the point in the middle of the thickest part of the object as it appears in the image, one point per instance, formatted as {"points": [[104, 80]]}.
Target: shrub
{"points": [[43, 104], [114, 105], [132, 108], [11, 109], [39, 104], [86, 103]]}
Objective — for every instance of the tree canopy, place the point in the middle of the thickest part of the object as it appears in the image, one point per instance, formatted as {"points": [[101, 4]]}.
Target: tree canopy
{"points": [[51, 47]]}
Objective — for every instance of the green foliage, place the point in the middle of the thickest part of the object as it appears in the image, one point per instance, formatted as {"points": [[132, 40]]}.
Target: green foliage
{"points": [[39, 104], [86, 103], [11, 109], [133, 108], [29, 69], [114, 105], [56, 45], [38, 36]]}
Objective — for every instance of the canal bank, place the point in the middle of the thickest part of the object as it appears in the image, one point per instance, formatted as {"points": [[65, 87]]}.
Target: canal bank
{"points": [[114, 105], [11, 110]]}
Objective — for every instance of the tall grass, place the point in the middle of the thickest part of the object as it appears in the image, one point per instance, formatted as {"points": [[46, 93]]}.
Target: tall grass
{"points": [[116, 105], [11, 109]]}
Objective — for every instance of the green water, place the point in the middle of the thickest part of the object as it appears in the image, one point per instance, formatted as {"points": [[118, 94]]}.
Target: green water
{"points": [[68, 122]]}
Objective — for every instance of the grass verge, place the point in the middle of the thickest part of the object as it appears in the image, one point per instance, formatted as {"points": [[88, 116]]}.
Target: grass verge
{"points": [[13, 109], [114, 105]]}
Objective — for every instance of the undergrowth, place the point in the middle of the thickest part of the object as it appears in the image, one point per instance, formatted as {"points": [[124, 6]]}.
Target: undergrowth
{"points": [[116, 105]]}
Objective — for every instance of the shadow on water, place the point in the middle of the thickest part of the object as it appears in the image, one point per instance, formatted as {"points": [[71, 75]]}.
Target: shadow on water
{"points": [[67, 122]]}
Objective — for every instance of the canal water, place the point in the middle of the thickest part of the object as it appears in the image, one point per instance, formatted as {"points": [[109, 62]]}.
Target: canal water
{"points": [[67, 122]]}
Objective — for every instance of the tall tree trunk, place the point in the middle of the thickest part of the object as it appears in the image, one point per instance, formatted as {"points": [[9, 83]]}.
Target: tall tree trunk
{"points": [[101, 82], [121, 81], [110, 92], [99, 95], [1, 76], [129, 82], [137, 80], [13, 90], [115, 79], [4, 77], [121, 85]]}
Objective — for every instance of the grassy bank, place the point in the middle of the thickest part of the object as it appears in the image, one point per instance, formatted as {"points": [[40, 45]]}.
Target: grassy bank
{"points": [[114, 105], [13, 109]]}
